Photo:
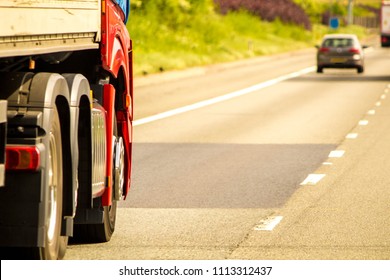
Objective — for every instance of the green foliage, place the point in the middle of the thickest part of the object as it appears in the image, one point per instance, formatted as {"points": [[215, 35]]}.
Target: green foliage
{"points": [[176, 34], [316, 8]]}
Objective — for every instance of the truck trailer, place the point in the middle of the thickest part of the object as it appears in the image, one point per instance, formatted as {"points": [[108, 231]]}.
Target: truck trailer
{"points": [[66, 110], [385, 24]]}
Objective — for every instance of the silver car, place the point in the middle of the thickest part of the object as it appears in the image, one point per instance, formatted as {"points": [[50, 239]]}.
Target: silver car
{"points": [[340, 51]]}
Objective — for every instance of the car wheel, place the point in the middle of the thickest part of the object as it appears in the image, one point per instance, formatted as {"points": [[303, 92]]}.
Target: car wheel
{"points": [[360, 69], [319, 69]]}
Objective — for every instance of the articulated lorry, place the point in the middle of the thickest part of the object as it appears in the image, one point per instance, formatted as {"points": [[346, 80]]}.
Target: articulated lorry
{"points": [[66, 109], [385, 24]]}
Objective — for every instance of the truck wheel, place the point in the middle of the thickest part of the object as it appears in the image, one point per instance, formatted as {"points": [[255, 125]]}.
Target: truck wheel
{"points": [[102, 232], [108, 226], [97, 233], [55, 244]]}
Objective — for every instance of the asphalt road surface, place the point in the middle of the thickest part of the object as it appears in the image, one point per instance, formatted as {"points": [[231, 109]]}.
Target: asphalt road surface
{"points": [[260, 159]]}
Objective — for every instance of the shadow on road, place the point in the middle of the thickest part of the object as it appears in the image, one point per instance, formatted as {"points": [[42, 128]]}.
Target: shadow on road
{"points": [[220, 175]]}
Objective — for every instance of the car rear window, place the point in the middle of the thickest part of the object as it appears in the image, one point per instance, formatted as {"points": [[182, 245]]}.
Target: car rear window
{"points": [[338, 42]]}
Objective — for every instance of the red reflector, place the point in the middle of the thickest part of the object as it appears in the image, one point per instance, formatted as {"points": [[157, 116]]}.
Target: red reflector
{"points": [[22, 158]]}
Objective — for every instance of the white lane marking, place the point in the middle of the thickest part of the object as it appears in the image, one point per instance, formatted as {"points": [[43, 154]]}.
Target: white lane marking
{"points": [[336, 154], [352, 136], [383, 96], [363, 122], [327, 163], [222, 98], [371, 112], [312, 179], [269, 223], [378, 104]]}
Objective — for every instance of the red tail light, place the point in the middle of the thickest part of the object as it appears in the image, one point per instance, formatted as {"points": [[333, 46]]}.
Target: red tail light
{"points": [[22, 158], [323, 50], [354, 50]]}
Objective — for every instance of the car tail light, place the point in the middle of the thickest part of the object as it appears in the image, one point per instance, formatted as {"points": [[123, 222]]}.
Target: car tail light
{"points": [[323, 50], [384, 40], [354, 50], [22, 158]]}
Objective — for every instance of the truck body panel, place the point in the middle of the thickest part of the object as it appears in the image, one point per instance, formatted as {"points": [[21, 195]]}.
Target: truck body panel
{"points": [[35, 27], [385, 24]]}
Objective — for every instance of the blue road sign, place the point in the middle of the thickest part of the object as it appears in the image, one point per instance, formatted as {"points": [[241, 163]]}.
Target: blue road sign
{"points": [[334, 23]]}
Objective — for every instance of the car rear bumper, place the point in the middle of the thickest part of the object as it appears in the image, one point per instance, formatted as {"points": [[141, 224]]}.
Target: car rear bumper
{"points": [[346, 64], [340, 65]]}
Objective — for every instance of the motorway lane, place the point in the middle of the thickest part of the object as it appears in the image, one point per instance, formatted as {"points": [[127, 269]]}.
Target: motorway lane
{"points": [[172, 90], [205, 179], [344, 216]]}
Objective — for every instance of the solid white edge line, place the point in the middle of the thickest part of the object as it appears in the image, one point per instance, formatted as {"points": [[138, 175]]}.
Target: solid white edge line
{"points": [[222, 98]]}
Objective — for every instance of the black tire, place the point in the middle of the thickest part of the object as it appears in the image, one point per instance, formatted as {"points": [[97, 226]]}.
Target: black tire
{"points": [[360, 69], [105, 231], [55, 244], [98, 233], [320, 69]]}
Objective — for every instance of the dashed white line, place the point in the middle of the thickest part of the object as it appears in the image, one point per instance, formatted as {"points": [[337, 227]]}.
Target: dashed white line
{"points": [[222, 98], [363, 122], [377, 104], [269, 223], [371, 112], [352, 135], [312, 179], [336, 154]]}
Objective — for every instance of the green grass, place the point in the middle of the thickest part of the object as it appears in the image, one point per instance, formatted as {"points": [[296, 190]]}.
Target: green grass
{"points": [[177, 34]]}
